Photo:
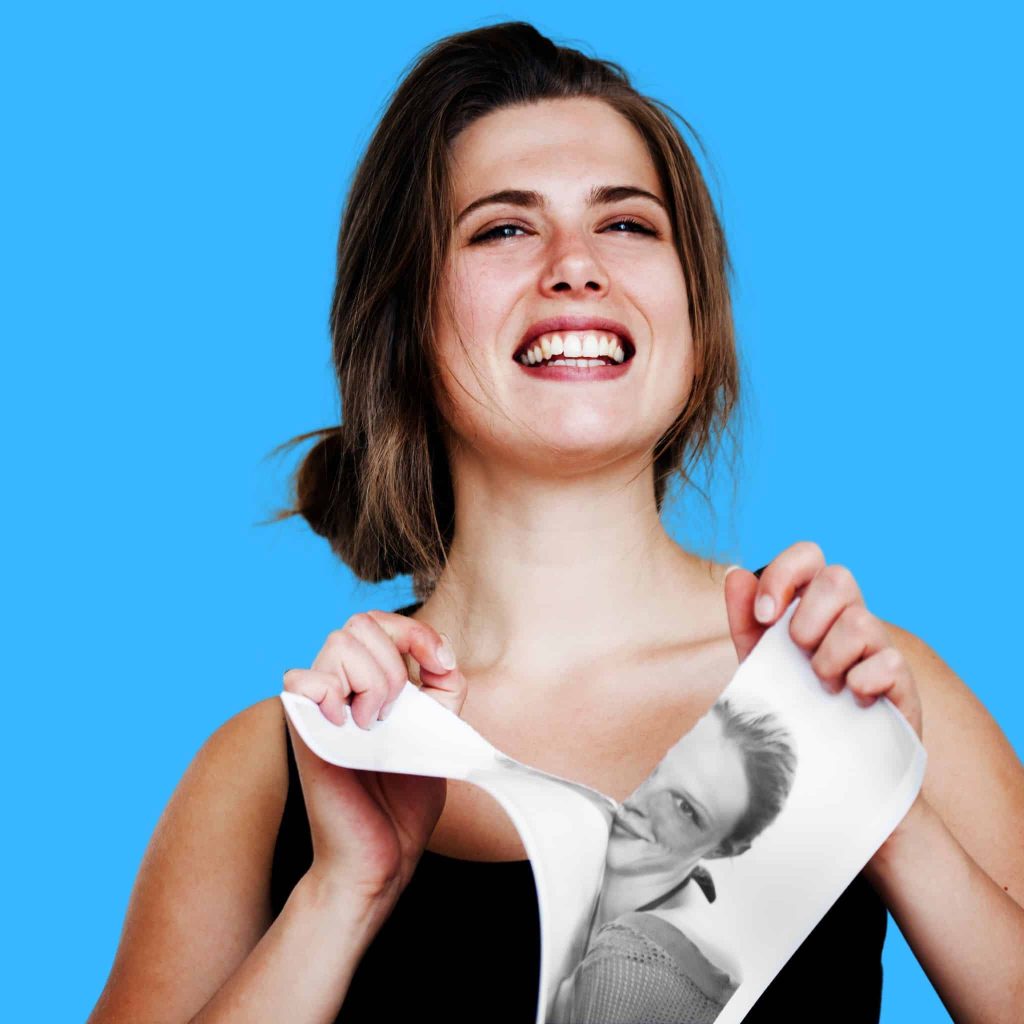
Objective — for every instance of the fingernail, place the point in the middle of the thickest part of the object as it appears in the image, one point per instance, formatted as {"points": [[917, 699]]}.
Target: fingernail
{"points": [[764, 609], [730, 569], [385, 709], [445, 654]]}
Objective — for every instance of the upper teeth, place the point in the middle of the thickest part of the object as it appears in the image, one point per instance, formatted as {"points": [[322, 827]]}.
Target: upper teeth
{"points": [[573, 345]]}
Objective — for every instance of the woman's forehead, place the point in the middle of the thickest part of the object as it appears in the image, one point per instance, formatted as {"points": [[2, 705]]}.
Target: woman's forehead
{"points": [[706, 765], [576, 139]]}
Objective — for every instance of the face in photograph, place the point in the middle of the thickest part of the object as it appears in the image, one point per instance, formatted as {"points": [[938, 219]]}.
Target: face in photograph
{"points": [[718, 787], [685, 809]]}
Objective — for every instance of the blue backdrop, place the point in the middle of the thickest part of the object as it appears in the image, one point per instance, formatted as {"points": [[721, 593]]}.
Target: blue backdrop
{"points": [[173, 182]]}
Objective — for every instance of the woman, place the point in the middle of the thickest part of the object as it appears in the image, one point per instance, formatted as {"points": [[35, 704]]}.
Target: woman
{"points": [[713, 793], [514, 195]]}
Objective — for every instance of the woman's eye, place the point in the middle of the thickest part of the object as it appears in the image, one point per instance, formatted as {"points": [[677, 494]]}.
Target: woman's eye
{"points": [[633, 227], [492, 232], [642, 228], [687, 808]]}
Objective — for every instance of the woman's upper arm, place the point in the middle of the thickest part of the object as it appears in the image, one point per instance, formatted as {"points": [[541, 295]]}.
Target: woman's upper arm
{"points": [[973, 778], [200, 902]]}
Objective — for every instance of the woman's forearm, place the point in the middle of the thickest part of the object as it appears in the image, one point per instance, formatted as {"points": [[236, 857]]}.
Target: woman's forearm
{"points": [[301, 968], [965, 931]]}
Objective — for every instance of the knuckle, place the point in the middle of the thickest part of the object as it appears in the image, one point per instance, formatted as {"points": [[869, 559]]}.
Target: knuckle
{"points": [[893, 659], [342, 640], [842, 575], [858, 617], [811, 548], [423, 632], [834, 576]]}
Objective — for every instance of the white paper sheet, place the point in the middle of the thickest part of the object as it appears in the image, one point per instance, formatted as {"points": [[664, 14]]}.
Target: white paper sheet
{"points": [[858, 770]]}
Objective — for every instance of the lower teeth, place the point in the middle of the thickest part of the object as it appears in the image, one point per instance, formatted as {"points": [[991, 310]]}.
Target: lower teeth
{"points": [[571, 362]]}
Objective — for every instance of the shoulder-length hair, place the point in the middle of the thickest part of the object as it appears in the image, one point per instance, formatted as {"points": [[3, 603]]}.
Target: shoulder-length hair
{"points": [[378, 486]]}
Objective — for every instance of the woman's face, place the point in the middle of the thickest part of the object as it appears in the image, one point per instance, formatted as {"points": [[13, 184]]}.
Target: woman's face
{"points": [[524, 259], [691, 802]]}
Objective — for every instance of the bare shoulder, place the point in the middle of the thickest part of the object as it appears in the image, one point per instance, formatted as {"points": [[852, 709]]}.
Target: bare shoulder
{"points": [[200, 901], [255, 738], [951, 710], [973, 778], [245, 759]]}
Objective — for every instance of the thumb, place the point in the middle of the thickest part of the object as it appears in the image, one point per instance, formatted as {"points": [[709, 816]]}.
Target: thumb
{"points": [[740, 587]]}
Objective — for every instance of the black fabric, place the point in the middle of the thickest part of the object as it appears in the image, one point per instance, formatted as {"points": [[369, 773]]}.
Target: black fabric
{"points": [[463, 941]]}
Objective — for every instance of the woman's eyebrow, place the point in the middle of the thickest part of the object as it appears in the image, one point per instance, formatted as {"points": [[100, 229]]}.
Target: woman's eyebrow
{"points": [[600, 195]]}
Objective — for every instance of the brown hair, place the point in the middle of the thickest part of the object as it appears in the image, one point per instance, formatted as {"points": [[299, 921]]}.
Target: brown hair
{"points": [[378, 487]]}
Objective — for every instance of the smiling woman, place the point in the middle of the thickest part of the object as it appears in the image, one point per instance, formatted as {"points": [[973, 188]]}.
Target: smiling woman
{"points": [[520, 198], [501, 235]]}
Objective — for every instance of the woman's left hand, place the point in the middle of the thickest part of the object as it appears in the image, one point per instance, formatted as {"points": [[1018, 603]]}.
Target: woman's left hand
{"points": [[848, 645]]}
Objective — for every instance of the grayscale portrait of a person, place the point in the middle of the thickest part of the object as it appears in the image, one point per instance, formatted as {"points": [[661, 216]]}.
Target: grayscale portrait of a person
{"points": [[715, 790]]}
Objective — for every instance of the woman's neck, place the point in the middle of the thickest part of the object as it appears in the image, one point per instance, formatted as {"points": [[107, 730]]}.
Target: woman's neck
{"points": [[545, 575], [620, 896]]}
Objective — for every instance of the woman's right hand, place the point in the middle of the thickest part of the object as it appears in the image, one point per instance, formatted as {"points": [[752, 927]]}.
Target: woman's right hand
{"points": [[369, 828]]}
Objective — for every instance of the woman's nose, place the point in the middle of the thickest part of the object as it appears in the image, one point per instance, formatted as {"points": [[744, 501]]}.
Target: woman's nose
{"points": [[574, 268]]}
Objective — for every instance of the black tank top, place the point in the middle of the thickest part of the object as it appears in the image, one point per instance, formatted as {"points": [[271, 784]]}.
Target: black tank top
{"points": [[467, 936]]}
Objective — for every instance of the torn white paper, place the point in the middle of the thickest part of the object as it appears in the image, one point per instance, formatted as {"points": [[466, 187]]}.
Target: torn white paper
{"points": [[683, 902]]}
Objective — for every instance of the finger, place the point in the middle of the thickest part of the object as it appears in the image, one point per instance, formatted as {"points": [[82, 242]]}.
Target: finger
{"points": [[325, 688], [419, 639], [740, 587], [382, 648], [885, 673], [345, 656], [784, 576], [831, 591], [449, 689], [855, 635]]}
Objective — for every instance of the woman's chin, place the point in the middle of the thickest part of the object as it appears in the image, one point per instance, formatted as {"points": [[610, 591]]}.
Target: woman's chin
{"points": [[635, 856]]}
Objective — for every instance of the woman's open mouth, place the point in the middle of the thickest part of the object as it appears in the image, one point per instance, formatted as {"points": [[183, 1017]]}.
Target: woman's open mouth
{"points": [[576, 356], [575, 348]]}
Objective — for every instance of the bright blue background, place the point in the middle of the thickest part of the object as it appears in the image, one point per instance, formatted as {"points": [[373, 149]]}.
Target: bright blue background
{"points": [[173, 186]]}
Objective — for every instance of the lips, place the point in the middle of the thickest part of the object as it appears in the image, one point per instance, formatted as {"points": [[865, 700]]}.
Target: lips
{"points": [[576, 323], [625, 823]]}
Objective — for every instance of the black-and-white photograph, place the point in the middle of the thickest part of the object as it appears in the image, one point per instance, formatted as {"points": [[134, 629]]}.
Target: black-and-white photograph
{"points": [[683, 901], [715, 791]]}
